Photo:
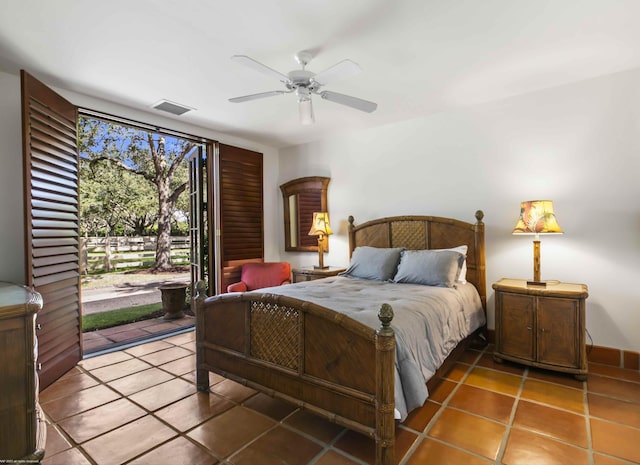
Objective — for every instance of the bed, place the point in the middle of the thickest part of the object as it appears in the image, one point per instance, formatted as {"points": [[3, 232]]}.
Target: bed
{"points": [[296, 348]]}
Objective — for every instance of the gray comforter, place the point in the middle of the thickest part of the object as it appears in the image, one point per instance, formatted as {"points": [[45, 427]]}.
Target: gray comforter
{"points": [[428, 322]]}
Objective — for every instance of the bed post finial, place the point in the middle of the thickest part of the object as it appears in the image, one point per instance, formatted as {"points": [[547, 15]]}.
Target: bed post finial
{"points": [[479, 216], [351, 220], [385, 315]]}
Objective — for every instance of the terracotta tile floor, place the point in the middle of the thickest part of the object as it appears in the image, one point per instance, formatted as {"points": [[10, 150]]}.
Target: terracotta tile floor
{"points": [[139, 406]]}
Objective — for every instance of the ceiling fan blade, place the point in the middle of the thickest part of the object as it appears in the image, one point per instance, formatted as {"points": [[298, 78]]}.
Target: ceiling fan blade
{"points": [[246, 98], [353, 102], [342, 70], [257, 66]]}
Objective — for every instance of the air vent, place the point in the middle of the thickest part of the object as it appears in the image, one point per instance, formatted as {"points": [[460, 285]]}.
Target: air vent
{"points": [[171, 107]]}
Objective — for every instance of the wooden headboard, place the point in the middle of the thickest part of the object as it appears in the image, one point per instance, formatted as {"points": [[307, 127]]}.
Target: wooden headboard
{"points": [[427, 232]]}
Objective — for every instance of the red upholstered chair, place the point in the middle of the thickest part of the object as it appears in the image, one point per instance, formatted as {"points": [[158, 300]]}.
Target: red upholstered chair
{"points": [[259, 275]]}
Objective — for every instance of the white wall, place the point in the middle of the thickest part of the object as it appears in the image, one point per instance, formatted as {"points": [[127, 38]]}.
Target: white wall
{"points": [[576, 145], [11, 204], [11, 198]]}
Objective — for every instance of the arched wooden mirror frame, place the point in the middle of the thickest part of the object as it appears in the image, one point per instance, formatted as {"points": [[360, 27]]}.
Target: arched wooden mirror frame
{"points": [[301, 198]]}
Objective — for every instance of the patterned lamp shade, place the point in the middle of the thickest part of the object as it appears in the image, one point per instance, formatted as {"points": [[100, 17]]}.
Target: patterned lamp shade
{"points": [[537, 217], [320, 224], [320, 227]]}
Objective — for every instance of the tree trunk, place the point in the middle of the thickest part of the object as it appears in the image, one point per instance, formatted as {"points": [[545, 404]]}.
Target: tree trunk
{"points": [[163, 246]]}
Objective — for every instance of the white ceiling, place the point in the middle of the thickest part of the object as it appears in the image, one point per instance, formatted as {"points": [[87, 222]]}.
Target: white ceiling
{"points": [[418, 56]]}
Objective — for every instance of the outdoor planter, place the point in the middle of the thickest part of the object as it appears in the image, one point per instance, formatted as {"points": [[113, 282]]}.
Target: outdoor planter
{"points": [[173, 300]]}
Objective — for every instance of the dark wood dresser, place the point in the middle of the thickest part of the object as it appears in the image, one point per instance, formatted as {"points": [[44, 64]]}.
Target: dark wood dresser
{"points": [[22, 425]]}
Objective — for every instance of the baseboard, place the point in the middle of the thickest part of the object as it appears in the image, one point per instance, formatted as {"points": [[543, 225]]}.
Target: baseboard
{"points": [[597, 354], [615, 357]]}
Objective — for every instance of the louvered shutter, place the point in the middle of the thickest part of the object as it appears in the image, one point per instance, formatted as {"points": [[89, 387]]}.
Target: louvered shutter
{"points": [[52, 247], [241, 211], [308, 203]]}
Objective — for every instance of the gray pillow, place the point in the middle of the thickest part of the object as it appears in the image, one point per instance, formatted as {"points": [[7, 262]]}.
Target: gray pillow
{"points": [[462, 277], [431, 267], [374, 263]]}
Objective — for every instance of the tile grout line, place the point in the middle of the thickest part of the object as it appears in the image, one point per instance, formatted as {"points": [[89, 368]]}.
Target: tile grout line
{"points": [[587, 420], [281, 423], [242, 404], [503, 442], [142, 407], [423, 435], [75, 445], [88, 372], [507, 432], [152, 413]]}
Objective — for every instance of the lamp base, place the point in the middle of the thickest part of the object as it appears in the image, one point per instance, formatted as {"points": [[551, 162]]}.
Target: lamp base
{"points": [[316, 267], [537, 283]]}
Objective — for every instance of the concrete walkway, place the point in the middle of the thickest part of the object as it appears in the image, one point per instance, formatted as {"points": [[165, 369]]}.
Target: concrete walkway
{"points": [[122, 290], [126, 290]]}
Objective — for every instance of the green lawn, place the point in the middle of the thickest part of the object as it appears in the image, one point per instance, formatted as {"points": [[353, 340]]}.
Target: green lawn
{"points": [[118, 317]]}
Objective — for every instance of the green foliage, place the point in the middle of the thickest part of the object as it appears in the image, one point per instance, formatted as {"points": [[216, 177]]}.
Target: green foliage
{"points": [[179, 228], [147, 154], [133, 181], [114, 201], [118, 317]]}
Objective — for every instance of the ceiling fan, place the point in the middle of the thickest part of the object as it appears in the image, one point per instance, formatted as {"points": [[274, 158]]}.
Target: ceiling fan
{"points": [[305, 83]]}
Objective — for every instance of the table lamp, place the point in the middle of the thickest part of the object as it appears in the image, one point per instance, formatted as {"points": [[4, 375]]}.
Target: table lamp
{"points": [[320, 227], [537, 217]]}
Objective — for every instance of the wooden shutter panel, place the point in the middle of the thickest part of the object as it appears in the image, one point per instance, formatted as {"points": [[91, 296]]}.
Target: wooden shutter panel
{"points": [[308, 203], [52, 247], [241, 210]]}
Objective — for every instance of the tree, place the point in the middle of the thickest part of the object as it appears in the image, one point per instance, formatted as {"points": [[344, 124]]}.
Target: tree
{"points": [[152, 157], [114, 201], [165, 170], [101, 196]]}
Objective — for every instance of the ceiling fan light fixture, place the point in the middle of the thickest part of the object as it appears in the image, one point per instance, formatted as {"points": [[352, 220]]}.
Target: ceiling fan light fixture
{"points": [[305, 108]]}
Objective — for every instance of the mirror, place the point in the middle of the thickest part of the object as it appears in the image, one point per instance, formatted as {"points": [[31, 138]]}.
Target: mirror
{"points": [[302, 197]]}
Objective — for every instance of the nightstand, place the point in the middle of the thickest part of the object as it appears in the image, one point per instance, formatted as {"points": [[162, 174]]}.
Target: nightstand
{"points": [[541, 326], [309, 273]]}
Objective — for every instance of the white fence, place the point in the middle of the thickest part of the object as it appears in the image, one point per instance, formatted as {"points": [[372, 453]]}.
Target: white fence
{"points": [[105, 254]]}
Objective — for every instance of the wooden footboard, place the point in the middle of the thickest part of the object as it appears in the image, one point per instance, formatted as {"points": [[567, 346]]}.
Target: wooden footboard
{"points": [[306, 354]]}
